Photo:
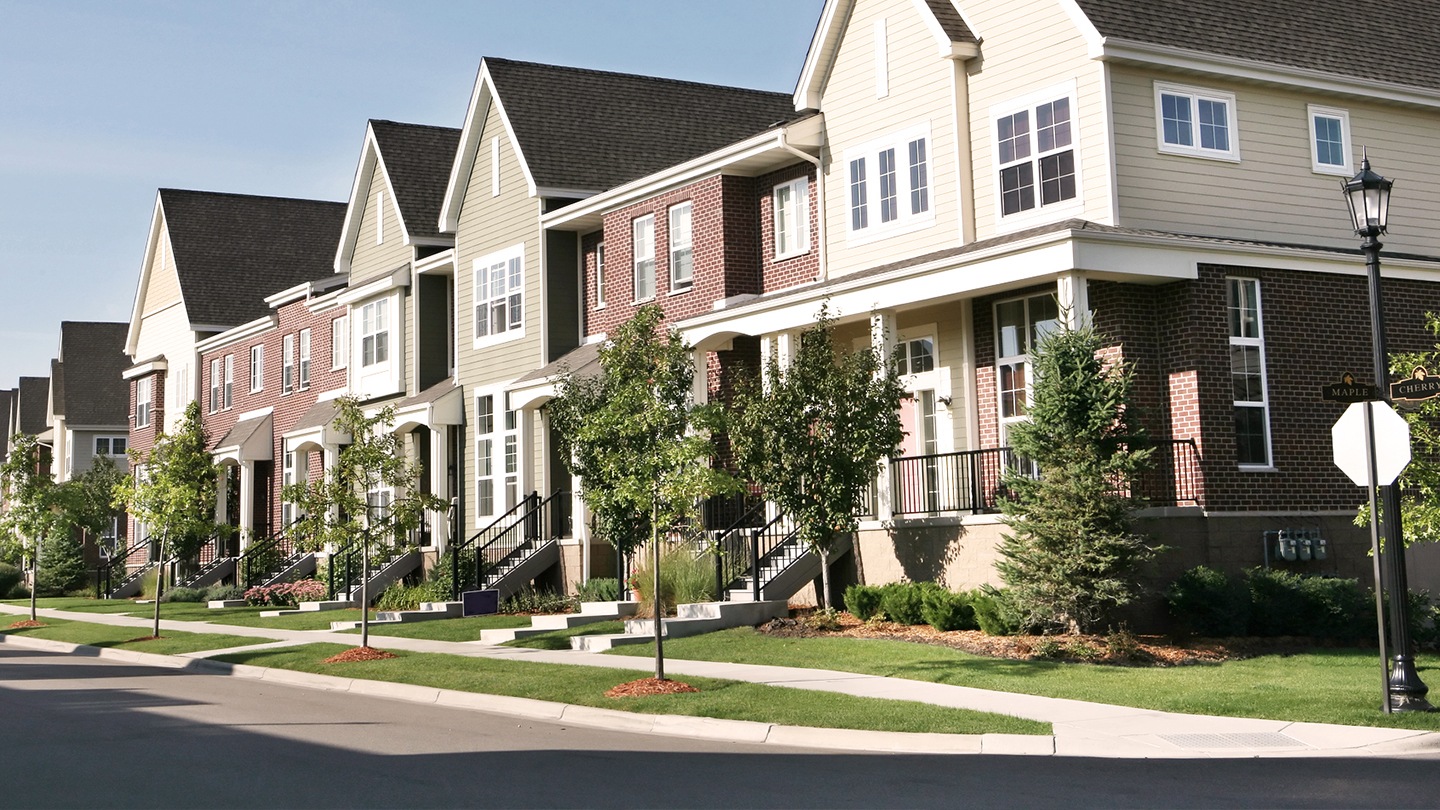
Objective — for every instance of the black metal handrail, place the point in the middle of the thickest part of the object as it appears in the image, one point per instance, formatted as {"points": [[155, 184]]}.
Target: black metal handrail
{"points": [[348, 563], [544, 521], [261, 556], [731, 547], [497, 527], [138, 556], [768, 544]]}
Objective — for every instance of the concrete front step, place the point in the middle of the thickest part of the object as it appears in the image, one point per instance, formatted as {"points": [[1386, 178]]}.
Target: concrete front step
{"points": [[607, 642], [690, 620], [428, 611], [309, 607], [590, 613]]}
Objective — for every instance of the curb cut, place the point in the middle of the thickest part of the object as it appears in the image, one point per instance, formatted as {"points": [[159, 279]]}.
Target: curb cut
{"points": [[670, 725]]}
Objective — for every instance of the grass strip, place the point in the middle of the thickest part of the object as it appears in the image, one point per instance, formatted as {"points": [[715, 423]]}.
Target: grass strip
{"points": [[585, 686], [560, 639], [125, 638], [1320, 686], [458, 629]]}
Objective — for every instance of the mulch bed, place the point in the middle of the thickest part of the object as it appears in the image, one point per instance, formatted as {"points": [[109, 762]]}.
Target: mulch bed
{"points": [[1123, 649], [649, 686], [359, 654], [20, 625]]}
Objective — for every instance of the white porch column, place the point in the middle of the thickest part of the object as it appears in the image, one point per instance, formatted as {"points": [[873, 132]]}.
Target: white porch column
{"points": [[883, 334], [700, 385], [439, 475], [331, 457], [247, 500], [580, 526], [1072, 292]]}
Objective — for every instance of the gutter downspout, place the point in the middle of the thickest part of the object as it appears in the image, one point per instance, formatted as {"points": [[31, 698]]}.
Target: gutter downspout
{"points": [[823, 248]]}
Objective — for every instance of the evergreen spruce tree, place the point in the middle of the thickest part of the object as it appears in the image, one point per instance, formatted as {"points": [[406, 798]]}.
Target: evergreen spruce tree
{"points": [[1071, 555]]}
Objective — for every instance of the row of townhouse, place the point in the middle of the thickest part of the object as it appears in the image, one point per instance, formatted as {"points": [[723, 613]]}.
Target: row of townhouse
{"points": [[952, 178]]}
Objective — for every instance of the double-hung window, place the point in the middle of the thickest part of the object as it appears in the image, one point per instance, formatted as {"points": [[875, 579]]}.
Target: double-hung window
{"points": [[889, 184], [227, 393], [792, 218], [340, 343], [1020, 325], [499, 293], [682, 253], [215, 372], [1330, 140], [1035, 155], [600, 275], [304, 359], [144, 389], [287, 365], [1247, 372], [257, 367], [644, 233], [1196, 122], [375, 332]]}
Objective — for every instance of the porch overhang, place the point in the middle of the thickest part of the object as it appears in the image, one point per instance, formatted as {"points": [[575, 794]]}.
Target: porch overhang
{"points": [[249, 440], [540, 386], [441, 404], [316, 429]]}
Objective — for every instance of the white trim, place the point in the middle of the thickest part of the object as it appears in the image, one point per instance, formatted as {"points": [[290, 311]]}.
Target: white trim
{"points": [[1314, 111], [144, 368], [906, 220], [399, 278], [635, 259], [685, 208], [370, 160], [1038, 212], [1257, 342], [1194, 95], [157, 227], [495, 166], [800, 197], [480, 100], [380, 217], [504, 259], [246, 330]]}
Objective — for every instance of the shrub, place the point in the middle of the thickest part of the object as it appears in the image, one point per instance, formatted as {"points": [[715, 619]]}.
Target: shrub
{"points": [[946, 610], [995, 612], [184, 595], [599, 589], [1424, 620], [10, 576], [1048, 648], [528, 600], [19, 591], [224, 593], [286, 594], [1336, 608], [1276, 606], [408, 597], [904, 602], [1205, 602], [62, 566], [823, 619], [863, 601]]}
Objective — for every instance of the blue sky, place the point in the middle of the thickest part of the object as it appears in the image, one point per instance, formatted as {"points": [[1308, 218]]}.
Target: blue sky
{"points": [[102, 103]]}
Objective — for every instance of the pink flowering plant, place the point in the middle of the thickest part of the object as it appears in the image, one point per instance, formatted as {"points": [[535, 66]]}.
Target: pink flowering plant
{"points": [[286, 594]]}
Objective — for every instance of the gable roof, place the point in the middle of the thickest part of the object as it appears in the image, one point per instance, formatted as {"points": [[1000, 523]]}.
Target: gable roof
{"points": [[1310, 35], [417, 159], [33, 400], [86, 382], [581, 131], [7, 407], [232, 250]]}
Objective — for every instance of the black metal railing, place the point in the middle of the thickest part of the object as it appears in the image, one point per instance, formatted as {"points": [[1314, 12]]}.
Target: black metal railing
{"points": [[731, 547], [463, 555], [344, 569], [771, 548], [543, 521], [1173, 477], [263, 557], [136, 557]]}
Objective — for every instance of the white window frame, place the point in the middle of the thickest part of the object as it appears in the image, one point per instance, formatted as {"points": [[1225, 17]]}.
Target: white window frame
{"points": [[287, 507], [600, 275], [1313, 114], [257, 367], [304, 376], [1193, 97], [340, 343], [681, 235], [791, 218], [498, 292], [108, 448], [1258, 343], [1036, 154], [287, 365], [228, 389], [1023, 358], [865, 186], [375, 332], [144, 397], [643, 256], [216, 371]]}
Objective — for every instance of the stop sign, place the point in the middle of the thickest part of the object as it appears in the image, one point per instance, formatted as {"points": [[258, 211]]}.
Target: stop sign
{"points": [[1392, 443]]}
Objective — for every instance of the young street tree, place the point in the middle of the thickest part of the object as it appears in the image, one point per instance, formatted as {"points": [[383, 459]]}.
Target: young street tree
{"points": [[370, 494], [33, 499], [172, 492], [1071, 556], [1420, 482], [814, 434], [638, 441]]}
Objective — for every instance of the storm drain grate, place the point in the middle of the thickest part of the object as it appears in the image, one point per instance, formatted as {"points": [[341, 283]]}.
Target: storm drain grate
{"points": [[1261, 739]]}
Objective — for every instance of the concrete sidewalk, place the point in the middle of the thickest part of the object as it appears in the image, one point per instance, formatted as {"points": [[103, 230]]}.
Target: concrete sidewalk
{"points": [[1080, 728]]}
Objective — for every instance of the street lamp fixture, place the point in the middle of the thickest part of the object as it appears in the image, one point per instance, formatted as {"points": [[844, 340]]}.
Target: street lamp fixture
{"points": [[1368, 195]]}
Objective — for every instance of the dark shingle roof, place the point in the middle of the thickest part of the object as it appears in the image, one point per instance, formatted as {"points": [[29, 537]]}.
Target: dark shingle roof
{"points": [[88, 387], [34, 395], [1402, 37], [232, 250], [57, 388], [950, 21], [583, 361], [418, 160], [591, 130]]}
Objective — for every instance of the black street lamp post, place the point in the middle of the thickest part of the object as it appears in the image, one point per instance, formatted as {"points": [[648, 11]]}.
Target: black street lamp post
{"points": [[1368, 195]]}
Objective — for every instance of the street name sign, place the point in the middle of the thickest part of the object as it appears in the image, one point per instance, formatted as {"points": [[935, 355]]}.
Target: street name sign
{"points": [[1419, 386], [1347, 390]]}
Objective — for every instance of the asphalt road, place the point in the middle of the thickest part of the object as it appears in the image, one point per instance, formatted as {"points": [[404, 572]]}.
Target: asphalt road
{"points": [[84, 732]]}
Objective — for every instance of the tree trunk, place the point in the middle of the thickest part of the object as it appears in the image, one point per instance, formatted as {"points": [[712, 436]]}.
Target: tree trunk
{"points": [[34, 579], [655, 561], [824, 595], [365, 588], [159, 584]]}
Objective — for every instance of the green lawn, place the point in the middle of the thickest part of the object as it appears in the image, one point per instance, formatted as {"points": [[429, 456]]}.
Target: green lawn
{"points": [[458, 629], [199, 612], [560, 639], [1321, 686], [586, 686], [126, 638]]}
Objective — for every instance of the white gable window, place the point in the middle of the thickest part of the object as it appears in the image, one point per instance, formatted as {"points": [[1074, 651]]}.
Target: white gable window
{"points": [[374, 332], [499, 295], [287, 365], [340, 342], [1196, 122], [1330, 140], [1035, 154], [889, 184], [682, 251], [257, 368], [600, 276], [304, 359], [144, 388], [792, 218], [644, 232]]}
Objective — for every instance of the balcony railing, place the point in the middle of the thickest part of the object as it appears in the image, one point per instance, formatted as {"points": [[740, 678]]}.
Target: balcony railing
{"points": [[969, 481]]}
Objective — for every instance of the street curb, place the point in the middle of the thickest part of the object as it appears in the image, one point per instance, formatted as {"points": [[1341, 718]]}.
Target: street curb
{"points": [[670, 725]]}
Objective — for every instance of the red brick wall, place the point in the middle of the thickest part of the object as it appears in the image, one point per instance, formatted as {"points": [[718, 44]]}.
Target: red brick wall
{"points": [[141, 440], [802, 269]]}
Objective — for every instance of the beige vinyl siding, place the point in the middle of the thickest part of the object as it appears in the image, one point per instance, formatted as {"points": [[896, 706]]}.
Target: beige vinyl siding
{"points": [[166, 332], [920, 93], [950, 353], [371, 260], [1030, 47], [1274, 175], [163, 287]]}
